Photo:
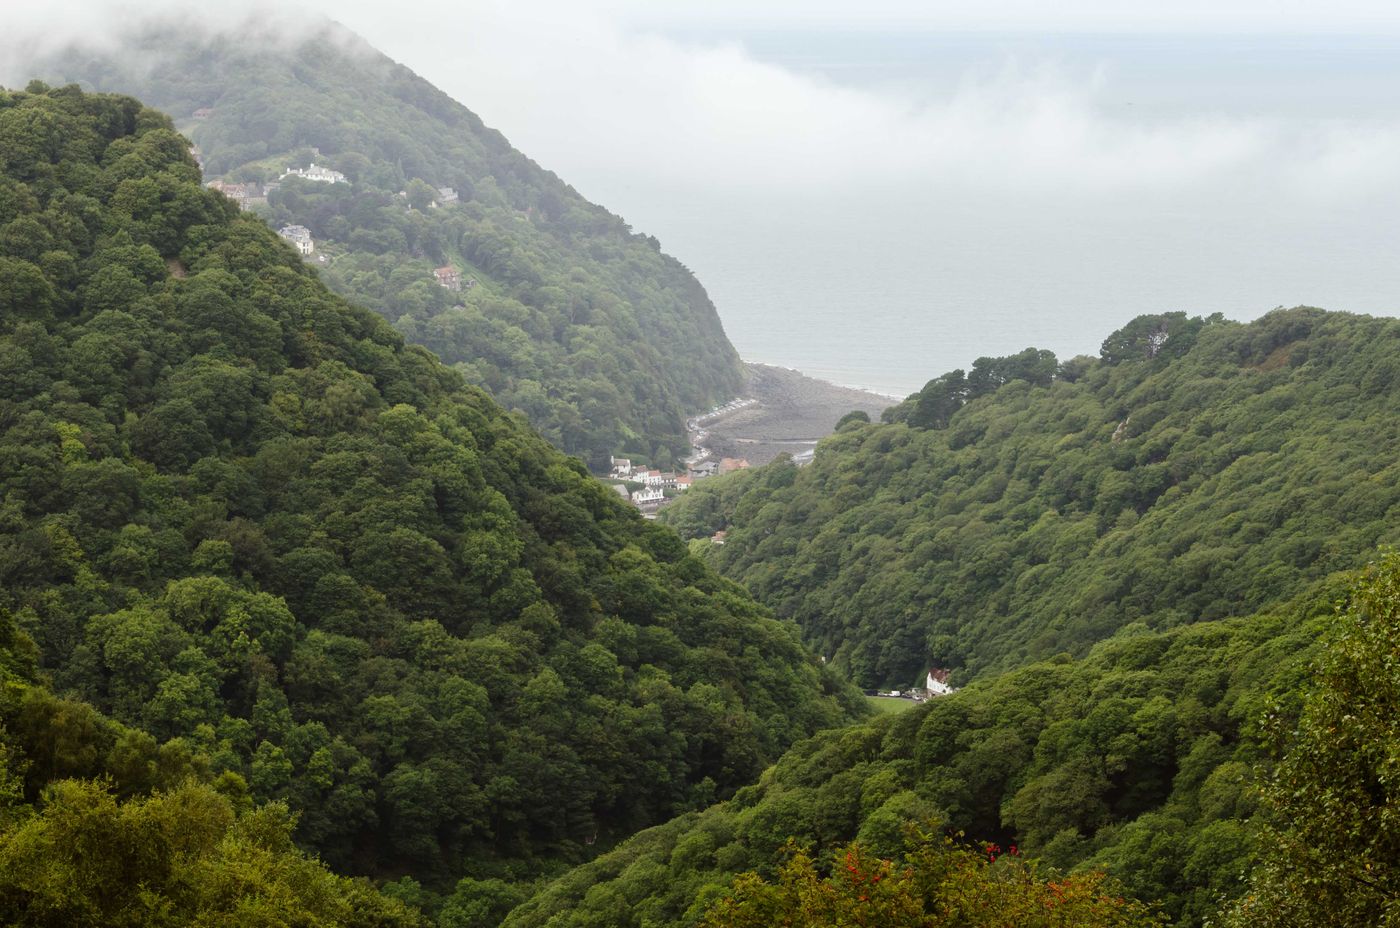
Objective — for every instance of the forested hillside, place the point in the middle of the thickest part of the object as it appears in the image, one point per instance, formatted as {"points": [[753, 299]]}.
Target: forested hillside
{"points": [[238, 516], [102, 825], [590, 330], [1197, 469], [286, 603], [1140, 760]]}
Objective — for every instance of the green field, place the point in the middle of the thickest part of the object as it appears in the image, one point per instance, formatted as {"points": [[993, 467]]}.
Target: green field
{"points": [[890, 703]]}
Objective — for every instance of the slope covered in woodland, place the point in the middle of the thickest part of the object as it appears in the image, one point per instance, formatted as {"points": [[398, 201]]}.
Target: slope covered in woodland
{"points": [[1237, 772], [603, 341], [1197, 469], [274, 583], [240, 516]]}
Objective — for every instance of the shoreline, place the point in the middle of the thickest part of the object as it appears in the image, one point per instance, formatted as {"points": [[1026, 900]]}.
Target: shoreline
{"points": [[782, 411], [892, 397]]}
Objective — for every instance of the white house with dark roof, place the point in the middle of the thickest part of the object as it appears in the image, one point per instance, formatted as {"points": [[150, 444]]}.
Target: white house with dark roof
{"points": [[300, 236]]}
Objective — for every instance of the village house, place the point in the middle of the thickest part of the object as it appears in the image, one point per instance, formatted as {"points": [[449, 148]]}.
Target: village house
{"points": [[621, 467], [448, 277], [937, 682], [704, 469], [446, 196], [718, 538], [300, 236], [621, 490], [648, 495], [318, 173], [729, 465], [651, 478], [684, 481], [246, 196], [204, 112]]}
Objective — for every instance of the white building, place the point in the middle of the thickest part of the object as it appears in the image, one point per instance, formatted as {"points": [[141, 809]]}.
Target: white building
{"points": [[446, 196], [649, 494], [300, 236], [318, 173], [621, 467], [937, 683]]}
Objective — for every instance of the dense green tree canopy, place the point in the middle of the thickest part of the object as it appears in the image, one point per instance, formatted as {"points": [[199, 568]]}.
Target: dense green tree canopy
{"points": [[1137, 760], [1198, 469], [1331, 854], [274, 584], [933, 884], [182, 859], [101, 825], [239, 513], [601, 340]]}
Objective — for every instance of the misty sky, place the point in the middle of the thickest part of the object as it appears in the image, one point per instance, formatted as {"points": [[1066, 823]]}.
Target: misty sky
{"points": [[973, 175]]}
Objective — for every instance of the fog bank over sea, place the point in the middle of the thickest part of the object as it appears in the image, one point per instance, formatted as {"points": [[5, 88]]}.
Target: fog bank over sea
{"points": [[884, 279]]}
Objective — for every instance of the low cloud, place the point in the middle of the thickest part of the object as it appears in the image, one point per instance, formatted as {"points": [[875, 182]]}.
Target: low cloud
{"points": [[607, 104], [586, 91]]}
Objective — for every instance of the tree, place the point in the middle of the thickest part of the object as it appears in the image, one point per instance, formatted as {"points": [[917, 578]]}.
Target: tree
{"points": [[182, 857], [937, 883], [938, 400], [1331, 846], [421, 194]]}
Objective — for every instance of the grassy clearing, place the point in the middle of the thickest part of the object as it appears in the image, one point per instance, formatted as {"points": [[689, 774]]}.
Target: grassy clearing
{"points": [[890, 703]]}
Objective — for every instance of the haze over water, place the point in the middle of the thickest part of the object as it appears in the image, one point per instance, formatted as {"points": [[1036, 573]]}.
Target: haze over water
{"points": [[883, 284]]}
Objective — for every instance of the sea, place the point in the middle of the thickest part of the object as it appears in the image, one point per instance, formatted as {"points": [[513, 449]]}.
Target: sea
{"points": [[1144, 174]]}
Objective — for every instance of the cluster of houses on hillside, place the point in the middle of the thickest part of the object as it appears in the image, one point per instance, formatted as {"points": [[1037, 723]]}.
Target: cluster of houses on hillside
{"points": [[651, 495], [449, 278], [250, 194], [935, 684]]}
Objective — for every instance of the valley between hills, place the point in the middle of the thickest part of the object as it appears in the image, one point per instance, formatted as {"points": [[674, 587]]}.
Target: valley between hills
{"points": [[314, 611]]}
